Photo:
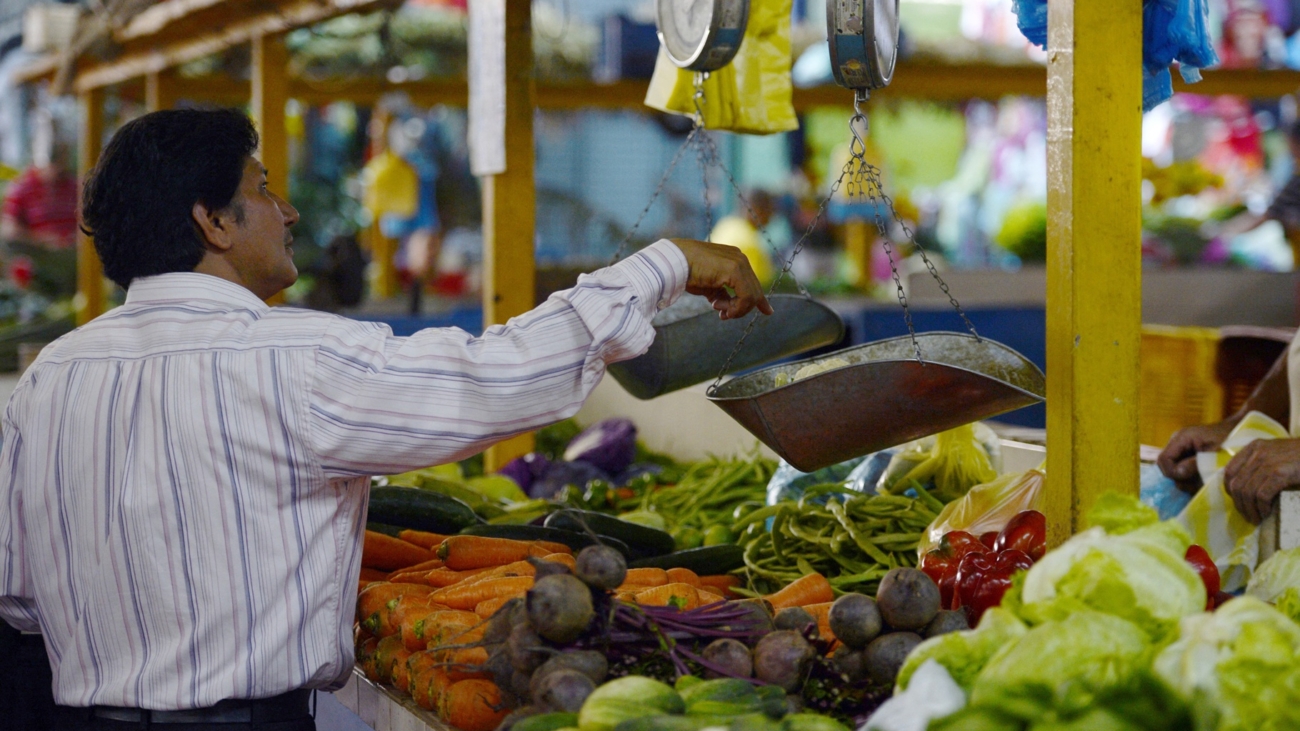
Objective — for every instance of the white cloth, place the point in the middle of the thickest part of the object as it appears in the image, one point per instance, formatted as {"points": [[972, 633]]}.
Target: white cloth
{"points": [[183, 481]]}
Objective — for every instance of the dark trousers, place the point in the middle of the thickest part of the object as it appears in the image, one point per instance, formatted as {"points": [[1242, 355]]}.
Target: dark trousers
{"points": [[26, 684], [78, 719], [289, 712]]}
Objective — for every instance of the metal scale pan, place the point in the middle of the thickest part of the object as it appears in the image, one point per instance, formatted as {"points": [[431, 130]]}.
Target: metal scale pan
{"points": [[882, 398], [891, 391], [691, 343]]}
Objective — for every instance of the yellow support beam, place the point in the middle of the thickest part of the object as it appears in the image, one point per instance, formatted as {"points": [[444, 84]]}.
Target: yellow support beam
{"points": [[89, 302], [1094, 265], [509, 205], [270, 91], [159, 90]]}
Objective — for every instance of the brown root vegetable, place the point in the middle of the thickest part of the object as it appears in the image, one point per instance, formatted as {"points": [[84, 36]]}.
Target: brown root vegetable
{"points": [[907, 599], [601, 566], [885, 655], [525, 648], [855, 620], [543, 568], [759, 617], [588, 662], [850, 663], [782, 658], [518, 685], [559, 607], [795, 618], [563, 690], [947, 620], [731, 655], [499, 626]]}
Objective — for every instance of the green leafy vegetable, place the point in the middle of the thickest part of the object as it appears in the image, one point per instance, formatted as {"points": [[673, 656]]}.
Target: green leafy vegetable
{"points": [[1273, 577], [964, 654], [627, 698], [1118, 514]]}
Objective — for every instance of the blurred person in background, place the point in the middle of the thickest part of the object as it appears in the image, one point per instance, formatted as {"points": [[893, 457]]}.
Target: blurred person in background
{"points": [[742, 229]]}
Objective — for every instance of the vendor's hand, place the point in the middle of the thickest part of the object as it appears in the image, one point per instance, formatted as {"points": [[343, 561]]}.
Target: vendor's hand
{"points": [[722, 273], [1178, 459], [1260, 471]]}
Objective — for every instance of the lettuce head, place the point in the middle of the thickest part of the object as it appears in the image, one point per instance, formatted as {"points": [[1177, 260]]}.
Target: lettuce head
{"points": [[964, 654]]}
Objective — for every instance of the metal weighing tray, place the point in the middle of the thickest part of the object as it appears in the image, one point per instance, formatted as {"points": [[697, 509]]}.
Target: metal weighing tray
{"points": [[692, 344], [884, 397]]}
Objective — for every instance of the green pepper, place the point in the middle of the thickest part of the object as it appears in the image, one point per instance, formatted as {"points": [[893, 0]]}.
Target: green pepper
{"points": [[687, 537], [718, 535]]}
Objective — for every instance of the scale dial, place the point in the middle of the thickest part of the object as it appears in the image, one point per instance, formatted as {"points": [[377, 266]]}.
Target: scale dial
{"points": [[701, 35], [863, 41]]}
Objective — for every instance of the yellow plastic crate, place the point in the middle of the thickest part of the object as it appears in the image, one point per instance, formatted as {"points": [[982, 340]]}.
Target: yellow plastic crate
{"points": [[1179, 386]]}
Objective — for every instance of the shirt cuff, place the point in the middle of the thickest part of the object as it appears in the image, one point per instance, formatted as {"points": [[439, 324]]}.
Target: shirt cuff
{"points": [[657, 274]]}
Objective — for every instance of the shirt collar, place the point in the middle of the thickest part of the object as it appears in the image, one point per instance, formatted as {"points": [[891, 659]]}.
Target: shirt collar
{"points": [[192, 287]]}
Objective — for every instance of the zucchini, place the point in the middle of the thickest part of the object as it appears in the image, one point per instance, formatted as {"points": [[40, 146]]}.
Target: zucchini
{"points": [[547, 722], [576, 541], [410, 507], [705, 561], [388, 530], [644, 541]]}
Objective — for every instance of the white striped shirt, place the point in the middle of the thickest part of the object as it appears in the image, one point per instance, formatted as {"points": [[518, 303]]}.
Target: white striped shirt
{"points": [[183, 481]]}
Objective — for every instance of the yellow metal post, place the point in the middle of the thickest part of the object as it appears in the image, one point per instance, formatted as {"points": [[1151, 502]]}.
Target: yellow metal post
{"points": [[509, 267], [89, 302], [383, 279], [857, 245], [1094, 267], [270, 91], [159, 90]]}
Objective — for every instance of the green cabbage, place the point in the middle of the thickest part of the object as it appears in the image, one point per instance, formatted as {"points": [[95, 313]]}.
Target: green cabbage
{"points": [[1086, 652], [1245, 658], [627, 698], [1118, 514], [1139, 576], [964, 654]]}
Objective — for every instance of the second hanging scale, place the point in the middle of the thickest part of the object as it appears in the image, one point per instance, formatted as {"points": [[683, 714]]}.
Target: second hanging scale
{"points": [[820, 411]]}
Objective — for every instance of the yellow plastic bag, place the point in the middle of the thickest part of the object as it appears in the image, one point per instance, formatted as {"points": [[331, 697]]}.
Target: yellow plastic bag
{"points": [[987, 507], [954, 461], [391, 186], [1212, 518], [752, 94]]}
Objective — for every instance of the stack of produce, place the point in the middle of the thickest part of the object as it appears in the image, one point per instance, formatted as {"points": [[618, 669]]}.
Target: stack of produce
{"points": [[975, 573]]}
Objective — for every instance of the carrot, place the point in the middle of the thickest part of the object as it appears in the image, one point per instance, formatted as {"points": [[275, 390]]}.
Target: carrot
{"points": [[476, 552], [473, 705], [388, 652], [401, 674], [431, 564], [428, 686], [416, 664], [683, 576], [708, 597], [682, 596], [633, 588], [489, 607], [366, 656], [565, 558], [369, 575], [646, 577], [467, 663], [721, 585], [386, 552], [542, 549], [822, 613], [417, 617], [390, 622], [810, 589], [468, 596], [379, 598], [423, 539], [440, 627]]}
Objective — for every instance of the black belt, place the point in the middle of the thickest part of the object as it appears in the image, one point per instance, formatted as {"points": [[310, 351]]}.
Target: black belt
{"points": [[291, 706]]}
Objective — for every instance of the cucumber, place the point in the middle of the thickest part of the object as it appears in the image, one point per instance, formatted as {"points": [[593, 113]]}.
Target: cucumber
{"points": [[576, 541], [388, 530], [546, 722], [409, 507], [705, 561], [644, 541], [666, 722]]}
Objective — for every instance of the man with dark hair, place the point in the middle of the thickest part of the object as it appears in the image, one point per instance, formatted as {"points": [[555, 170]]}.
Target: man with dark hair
{"points": [[184, 480]]}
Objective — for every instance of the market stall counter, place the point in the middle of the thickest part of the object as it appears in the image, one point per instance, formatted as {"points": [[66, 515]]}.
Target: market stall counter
{"points": [[384, 709]]}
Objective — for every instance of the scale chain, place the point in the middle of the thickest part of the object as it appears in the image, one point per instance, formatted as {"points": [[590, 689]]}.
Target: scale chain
{"points": [[663, 181]]}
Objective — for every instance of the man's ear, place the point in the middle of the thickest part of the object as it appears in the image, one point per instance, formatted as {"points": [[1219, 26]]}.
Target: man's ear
{"points": [[214, 225]]}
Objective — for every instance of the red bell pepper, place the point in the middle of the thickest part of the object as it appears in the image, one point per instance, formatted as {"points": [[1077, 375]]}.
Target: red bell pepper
{"points": [[1026, 532], [940, 563], [1204, 565], [982, 579], [988, 537]]}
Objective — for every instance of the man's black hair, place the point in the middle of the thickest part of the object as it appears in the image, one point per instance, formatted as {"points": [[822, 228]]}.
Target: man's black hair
{"points": [[138, 200]]}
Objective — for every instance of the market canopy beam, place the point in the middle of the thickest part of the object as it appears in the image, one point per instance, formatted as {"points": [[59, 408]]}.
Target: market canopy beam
{"points": [[1094, 255]]}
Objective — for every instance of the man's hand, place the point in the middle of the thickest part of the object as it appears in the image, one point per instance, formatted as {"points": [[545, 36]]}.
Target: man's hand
{"points": [[1259, 472], [722, 273], [1178, 460]]}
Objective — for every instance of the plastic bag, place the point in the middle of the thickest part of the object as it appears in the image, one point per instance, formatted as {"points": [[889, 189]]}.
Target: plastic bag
{"points": [[753, 93], [391, 186], [1273, 577], [953, 461], [788, 483], [931, 694], [1160, 492], [987, 507], [1212, 518]]}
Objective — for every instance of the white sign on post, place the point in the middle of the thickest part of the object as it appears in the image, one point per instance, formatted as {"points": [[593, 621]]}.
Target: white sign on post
{"points": [[487, 87]]}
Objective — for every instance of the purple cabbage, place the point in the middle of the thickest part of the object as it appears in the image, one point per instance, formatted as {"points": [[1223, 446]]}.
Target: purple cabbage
{"points": [[560, 474], [609, 445], [526, 469]]}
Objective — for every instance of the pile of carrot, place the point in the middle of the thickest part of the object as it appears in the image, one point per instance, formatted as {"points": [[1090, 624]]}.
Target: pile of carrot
{"points": [[424, 598], [681, 588], [812, 592]]}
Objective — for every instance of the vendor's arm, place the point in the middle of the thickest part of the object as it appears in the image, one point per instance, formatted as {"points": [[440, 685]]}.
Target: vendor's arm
{"points": [[16, 605], [1272, 397], [385, 404]]}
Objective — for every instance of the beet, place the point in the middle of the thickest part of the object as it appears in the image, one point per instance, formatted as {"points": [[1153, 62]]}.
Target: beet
{"points": [[588, 662], [795, 618], [559, 607], [563, 690], [850, 663], [907, 599], [543, 568], [782, 658], [947, 620], [731, 655], [855, 620], [885, 655], [525, 648], [601, 566]]}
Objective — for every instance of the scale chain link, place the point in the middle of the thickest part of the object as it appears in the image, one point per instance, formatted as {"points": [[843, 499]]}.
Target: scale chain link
{"points": [[663, 181]]}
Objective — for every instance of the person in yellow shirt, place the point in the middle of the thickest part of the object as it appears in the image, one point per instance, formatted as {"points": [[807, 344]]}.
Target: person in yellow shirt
{"points": [[741, 230]]}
